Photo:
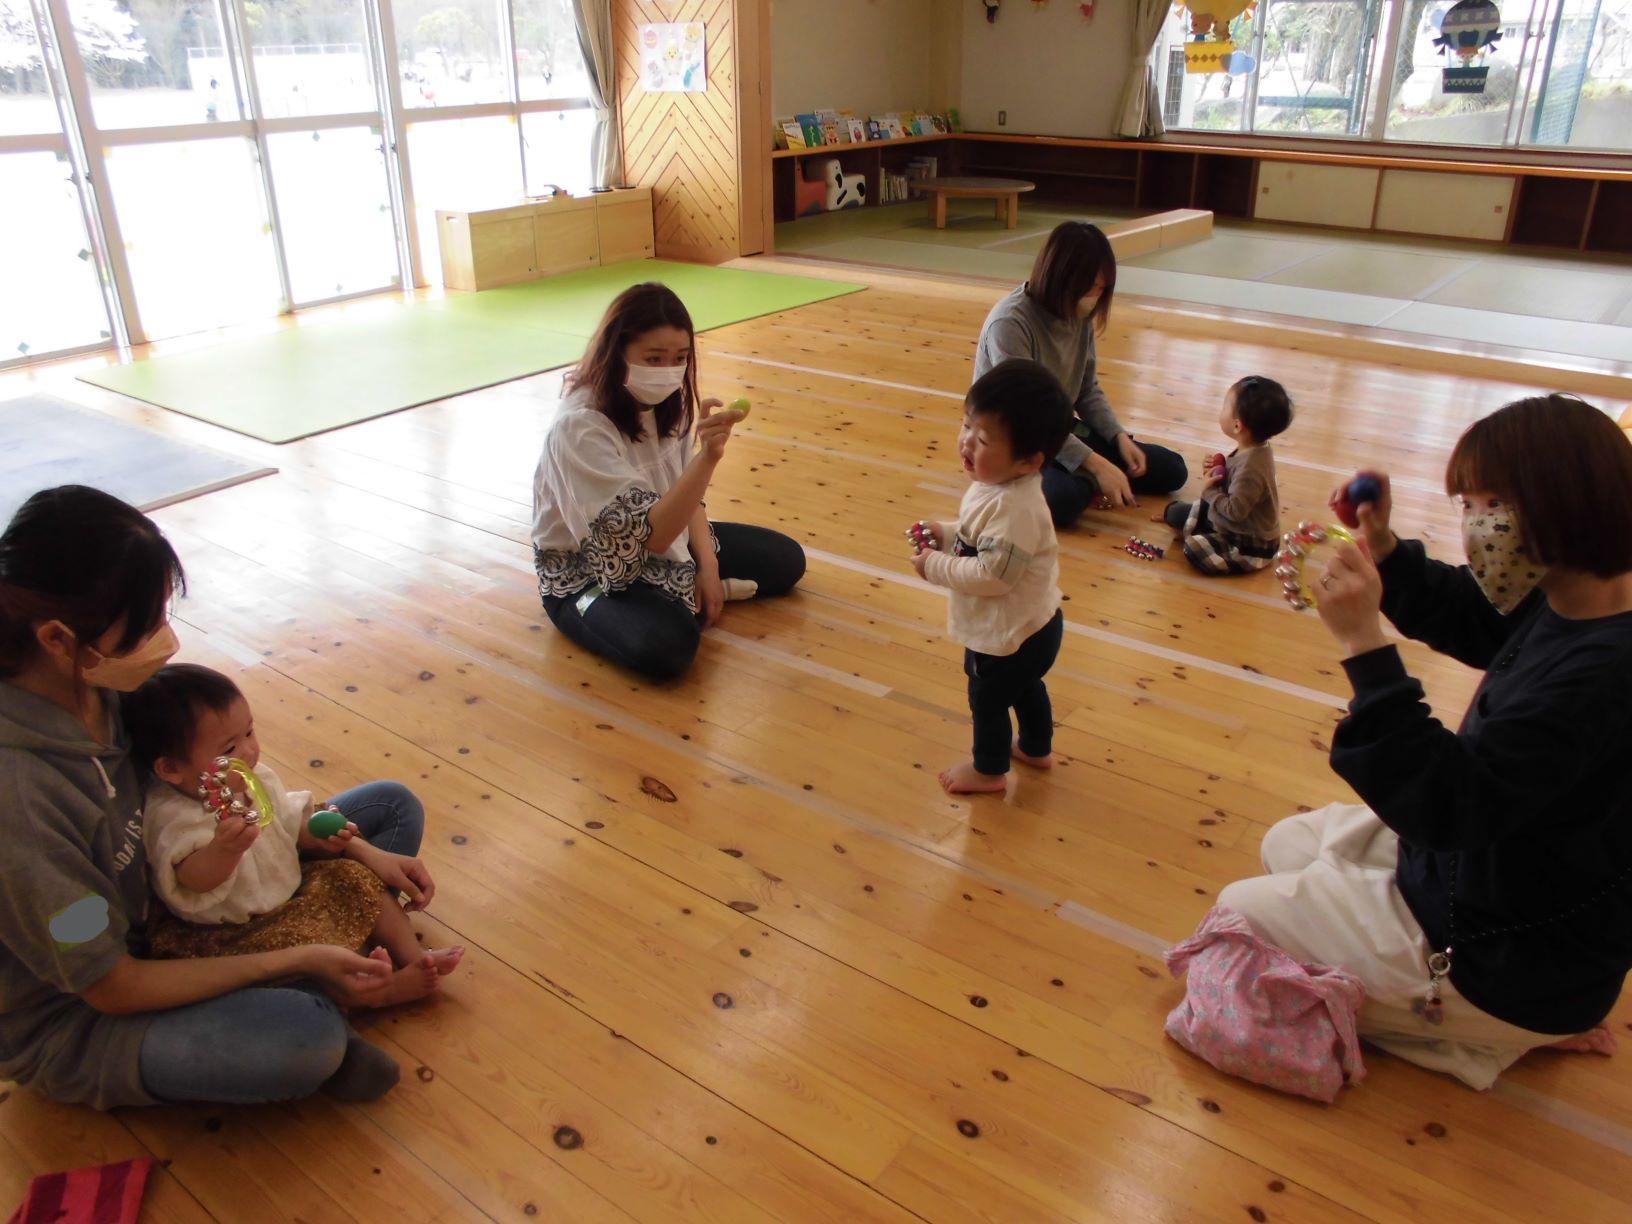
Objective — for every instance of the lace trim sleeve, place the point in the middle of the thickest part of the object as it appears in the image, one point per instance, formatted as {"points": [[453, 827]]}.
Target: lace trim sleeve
{"points": [[614, 551]]}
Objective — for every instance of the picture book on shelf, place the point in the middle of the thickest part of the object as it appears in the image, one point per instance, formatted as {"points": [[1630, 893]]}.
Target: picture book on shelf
{"points": [[954, 120], [875, 130], [812, 128], [793, 135], [858, 130]]}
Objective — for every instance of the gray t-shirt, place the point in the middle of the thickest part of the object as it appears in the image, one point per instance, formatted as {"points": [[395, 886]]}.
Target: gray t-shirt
{"points": [[73, 899], [1020, 327]]}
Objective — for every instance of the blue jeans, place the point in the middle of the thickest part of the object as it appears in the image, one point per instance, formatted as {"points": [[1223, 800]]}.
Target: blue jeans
{"points": [[657, 637], [270, 1043], [1070, 493]]}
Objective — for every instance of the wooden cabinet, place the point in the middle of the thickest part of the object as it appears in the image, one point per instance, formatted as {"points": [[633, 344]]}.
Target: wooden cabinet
{"points": [[486, 248], [1339, 196], [564, 236], [623, 221]]}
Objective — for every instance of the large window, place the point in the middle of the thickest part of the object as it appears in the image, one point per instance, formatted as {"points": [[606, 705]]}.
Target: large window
{"points": [[1560, 74], [177, 165]]}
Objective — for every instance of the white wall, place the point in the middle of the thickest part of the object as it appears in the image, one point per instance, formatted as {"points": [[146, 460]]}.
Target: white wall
{"points": [[864, 56], [1053, 72]]}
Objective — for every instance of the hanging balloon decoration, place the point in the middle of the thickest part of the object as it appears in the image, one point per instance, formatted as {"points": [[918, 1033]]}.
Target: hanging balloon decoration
{"points": [[1469, 30], [1209, 48], [991, 10]]}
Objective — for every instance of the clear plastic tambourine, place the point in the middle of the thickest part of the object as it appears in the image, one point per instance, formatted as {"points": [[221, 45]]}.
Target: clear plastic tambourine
{"points": [[230, 788], [1311, 542]]}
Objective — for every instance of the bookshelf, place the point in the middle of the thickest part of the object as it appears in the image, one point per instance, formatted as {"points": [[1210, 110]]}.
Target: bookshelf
{"points": [[1585, 206]]}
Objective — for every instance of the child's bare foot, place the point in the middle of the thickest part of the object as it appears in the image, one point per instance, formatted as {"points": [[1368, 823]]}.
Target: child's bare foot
{"points": [[1036, 762], [411, 982], [447, 960], [1594, 1041], [965, 779]]}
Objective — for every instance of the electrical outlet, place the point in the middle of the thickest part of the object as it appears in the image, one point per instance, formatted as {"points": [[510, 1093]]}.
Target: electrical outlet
{"points": [[1002, 118]]}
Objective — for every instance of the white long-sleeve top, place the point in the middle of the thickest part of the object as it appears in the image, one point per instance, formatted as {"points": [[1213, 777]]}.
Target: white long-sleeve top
{"points": [[175, 824], [1001, 562]]}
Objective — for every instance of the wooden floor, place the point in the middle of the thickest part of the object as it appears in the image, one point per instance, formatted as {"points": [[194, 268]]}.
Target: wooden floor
{"points": [[734, 956]]}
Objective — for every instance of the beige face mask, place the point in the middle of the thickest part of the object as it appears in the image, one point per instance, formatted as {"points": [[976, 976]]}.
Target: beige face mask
{"points": [[126, 673], [1496, 553]]}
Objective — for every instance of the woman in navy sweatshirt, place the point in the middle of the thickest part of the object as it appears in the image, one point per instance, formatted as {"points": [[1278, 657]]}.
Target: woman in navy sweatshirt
{"points": [[1483, 895]]}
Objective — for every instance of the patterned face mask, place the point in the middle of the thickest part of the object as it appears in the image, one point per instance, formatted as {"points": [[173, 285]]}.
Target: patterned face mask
{"points": [[1496, 553]]}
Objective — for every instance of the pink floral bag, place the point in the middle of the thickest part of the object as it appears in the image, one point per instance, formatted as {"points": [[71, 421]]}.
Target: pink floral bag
{"points": [[1253, 1011]]}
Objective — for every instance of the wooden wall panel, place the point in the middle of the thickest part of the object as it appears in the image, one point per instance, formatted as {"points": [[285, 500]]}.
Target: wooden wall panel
{"points": [[685, 146]]}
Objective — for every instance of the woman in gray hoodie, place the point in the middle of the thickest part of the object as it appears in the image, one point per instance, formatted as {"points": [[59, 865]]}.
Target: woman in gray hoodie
{"points": [[1053, 318], [85, 588]]}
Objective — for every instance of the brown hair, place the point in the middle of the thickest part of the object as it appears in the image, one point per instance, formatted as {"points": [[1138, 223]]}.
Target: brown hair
{"points": [[603, 371], [1567, 469], [83, 557], [1074, 257]]}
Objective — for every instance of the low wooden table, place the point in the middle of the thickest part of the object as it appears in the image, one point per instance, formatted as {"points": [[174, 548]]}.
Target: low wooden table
{"points": [[1005, 191]]}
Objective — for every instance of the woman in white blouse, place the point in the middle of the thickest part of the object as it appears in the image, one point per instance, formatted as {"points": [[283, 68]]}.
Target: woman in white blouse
{"points": [[629, 565]]}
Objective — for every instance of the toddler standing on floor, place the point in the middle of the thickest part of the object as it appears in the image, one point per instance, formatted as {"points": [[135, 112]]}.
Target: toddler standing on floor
{"points": [[232, 886], [1234, 527], [1001, 562]]}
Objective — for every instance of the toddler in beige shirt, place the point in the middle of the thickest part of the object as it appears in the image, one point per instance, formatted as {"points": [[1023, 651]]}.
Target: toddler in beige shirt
{"points": [[1000, 562]]}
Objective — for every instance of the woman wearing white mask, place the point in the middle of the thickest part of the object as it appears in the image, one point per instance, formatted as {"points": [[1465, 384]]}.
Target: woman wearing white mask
{"points": [[1054, 318], [85, 1017], [1483, 896], [629, 565]]}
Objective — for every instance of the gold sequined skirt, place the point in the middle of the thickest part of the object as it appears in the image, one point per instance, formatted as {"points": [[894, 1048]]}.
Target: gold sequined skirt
{"points": [[338, 902]]}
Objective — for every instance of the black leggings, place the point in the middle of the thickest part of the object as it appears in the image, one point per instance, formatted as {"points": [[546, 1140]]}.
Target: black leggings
{"points": [[1000, 683], [655, 635]]}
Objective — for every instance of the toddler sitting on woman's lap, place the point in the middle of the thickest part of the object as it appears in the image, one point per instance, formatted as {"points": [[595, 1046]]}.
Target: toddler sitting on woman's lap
{"points": [[232, 886]]}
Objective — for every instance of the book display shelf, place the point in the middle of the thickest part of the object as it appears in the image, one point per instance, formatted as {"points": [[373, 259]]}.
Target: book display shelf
{"points": [[1586, 207]]}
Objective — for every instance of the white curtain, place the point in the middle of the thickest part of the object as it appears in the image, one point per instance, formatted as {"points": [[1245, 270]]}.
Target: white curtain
{"points": [[594, 18], [1141, 110]]}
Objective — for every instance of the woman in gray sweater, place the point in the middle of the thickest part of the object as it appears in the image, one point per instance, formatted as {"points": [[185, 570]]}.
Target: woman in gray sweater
{"points": [[1053, 318]]}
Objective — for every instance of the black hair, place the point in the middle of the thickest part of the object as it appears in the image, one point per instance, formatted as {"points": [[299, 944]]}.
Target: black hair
{"points": [[162, 715], [1028, 399], [83, 557], [1262, 406]]}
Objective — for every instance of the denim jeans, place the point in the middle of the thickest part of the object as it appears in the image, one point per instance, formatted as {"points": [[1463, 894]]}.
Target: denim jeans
{"points": [[1070, 493], [657, 637], [270, 1043]]}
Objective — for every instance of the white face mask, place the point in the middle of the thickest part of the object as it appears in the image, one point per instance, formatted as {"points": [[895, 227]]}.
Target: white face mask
{"points": [[1496, 553], [654, 384], [127, 673]]}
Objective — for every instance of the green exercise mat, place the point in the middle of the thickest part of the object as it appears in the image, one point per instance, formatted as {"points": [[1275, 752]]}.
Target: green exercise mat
{"points": [[304, 380]]}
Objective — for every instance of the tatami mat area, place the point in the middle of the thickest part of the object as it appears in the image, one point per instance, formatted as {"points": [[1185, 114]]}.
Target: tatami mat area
{"points": [[1463, 291]]}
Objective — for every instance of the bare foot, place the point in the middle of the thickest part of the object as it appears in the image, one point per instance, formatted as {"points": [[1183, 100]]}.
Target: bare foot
{"points": [[446, 960], [1594, 1041], [1036, 762], [965, 779], [412, 982]]}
